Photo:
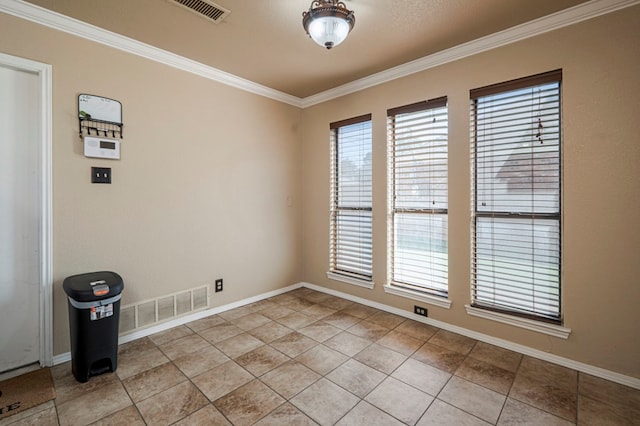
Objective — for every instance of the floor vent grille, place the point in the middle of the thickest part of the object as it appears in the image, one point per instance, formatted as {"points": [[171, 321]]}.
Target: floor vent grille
{"points": [[154, 311], [205, 8]]}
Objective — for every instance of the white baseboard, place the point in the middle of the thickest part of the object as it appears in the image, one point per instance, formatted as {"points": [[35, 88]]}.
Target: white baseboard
{"points": [[525, 350]]}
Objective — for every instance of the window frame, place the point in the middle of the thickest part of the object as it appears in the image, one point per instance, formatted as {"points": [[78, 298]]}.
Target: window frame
{"points": [[431, 290], [337, 270], [482, 308]]}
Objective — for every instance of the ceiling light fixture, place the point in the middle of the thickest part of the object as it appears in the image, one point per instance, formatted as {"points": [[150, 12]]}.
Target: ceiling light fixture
{"points": [[328, 22]]}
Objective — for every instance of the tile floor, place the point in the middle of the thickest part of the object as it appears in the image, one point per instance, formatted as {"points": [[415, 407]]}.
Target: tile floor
{"points": [[306, 358]]}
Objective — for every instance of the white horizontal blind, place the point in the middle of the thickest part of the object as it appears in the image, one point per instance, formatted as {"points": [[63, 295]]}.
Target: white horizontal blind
{"points": [[515, 155], [418, 196], [351, 198]]}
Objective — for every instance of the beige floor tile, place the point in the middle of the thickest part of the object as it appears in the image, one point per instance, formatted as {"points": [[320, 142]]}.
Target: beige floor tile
{"points": [[261, 360], [381, 358], [337, 303], [261, 305], [172, 404], [112, 398], [443, 414], [221, 380], [276, 311], [614, 394], [422, 376], [293, 344], [321, 359], [209, 415], [270, 332], [487, 375], [546, 372], [132, 363], [137, 346], [360, 311], [238, 345], [153, 381], [319, 331], [439, 357], [317, 297], [368, 330], [290, 378], [296, 320], [298, 304], [366, 414], [171, 334], [347, 343], [318, 312], [251, 321], [129, 417], [474, 399], [325, 402], [68, 388], [553, 397], [204, 323], [453, 341], [400, 342], [220, 332], [286, 414], [502, 358], [402, 401], [518, 413], [596, 413], [200, 361], [341, 320], [356, 377], [40, 415], [386, 319], [183, 346], [417, 330], [249, 403]]}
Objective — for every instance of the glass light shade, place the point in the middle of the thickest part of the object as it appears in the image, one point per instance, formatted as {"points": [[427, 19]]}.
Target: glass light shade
{"points": [[329, 31]]}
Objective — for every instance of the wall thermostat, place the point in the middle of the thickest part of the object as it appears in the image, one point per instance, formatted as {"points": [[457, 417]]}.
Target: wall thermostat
{"points": [[101, 148]]}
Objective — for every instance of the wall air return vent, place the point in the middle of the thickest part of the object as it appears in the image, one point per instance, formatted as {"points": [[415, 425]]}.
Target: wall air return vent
{"points": [[205, 8]]}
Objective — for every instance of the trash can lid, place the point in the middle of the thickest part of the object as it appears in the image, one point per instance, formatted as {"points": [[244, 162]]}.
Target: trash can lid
{"points": [[93, 286]]}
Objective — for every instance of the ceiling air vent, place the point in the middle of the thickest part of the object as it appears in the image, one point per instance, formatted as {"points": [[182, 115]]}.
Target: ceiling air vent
{"points": [[205, 8]]}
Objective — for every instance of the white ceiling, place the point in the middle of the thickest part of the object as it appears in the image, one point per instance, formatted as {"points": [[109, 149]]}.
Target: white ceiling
{"points": [[263, 40]]}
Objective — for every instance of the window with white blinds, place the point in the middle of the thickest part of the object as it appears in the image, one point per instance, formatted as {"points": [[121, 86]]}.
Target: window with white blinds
{"points": [[418, 196], [516, 182], [351, 198]]}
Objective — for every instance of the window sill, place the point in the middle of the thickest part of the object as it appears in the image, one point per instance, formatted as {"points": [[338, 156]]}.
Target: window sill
{"points": [[540, 327], [416, 295], [350, 280]]}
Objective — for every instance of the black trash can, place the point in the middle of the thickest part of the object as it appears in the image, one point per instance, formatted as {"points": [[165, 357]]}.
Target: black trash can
{"points": [[94, 314]]}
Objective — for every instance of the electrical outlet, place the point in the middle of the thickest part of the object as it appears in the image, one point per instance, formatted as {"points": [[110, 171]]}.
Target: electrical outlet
{"points": [[100, 174], [419, 310], [218, 285]]}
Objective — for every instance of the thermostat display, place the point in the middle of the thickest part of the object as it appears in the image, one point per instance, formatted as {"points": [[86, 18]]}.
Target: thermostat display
{"points": [[101, 148]]}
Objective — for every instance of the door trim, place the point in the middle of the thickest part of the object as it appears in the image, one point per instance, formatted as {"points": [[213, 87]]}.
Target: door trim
{"points": [[44, 122]]}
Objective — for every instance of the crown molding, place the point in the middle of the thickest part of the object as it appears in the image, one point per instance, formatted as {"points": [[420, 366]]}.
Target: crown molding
{"points": [[57, 21], [564, 18]]}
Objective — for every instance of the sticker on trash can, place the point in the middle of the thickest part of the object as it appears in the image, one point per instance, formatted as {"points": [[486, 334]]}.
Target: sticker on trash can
{"points": [[99, 312]]}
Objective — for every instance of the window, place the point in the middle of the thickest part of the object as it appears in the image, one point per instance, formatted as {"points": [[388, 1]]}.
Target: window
{"points": [[351, 200], [516, 228], [418, 204]]}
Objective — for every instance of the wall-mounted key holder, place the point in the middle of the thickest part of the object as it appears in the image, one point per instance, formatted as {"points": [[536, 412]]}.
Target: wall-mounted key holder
{"points": [[98, 116]]}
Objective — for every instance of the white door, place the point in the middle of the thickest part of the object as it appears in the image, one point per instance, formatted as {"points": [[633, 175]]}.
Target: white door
{"points": [[20, 213]]}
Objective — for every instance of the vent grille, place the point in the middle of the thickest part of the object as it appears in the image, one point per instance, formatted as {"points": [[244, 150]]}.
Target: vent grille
{"points": [[154, 311], [205, 8]]}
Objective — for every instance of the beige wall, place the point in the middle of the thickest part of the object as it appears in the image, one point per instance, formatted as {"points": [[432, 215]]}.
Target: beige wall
{"points": [[202, 188], [601, 193]]}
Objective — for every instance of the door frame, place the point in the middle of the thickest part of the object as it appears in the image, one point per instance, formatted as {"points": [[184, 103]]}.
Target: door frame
{"points": [[44, 122]]}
